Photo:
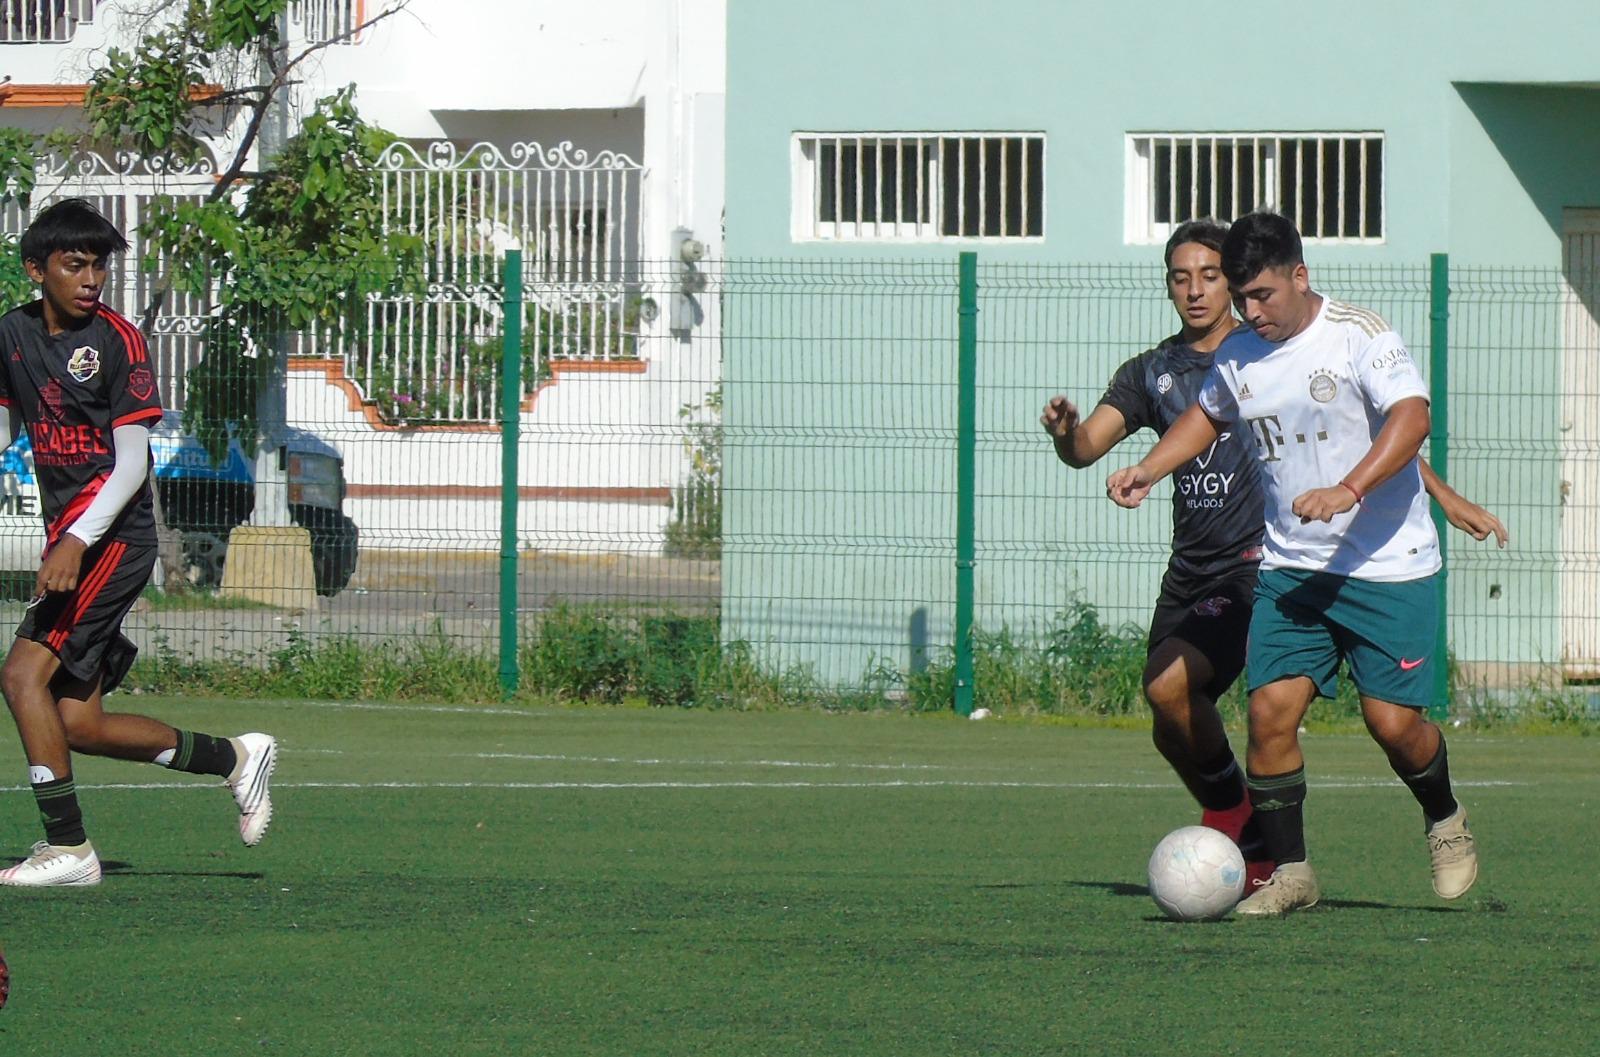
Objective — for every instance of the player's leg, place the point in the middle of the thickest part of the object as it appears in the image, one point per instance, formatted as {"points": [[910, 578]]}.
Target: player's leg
{"points": [[92, 731], [1186, 727], [1391, 649], [1292, 657], [1188, 671], [65, 856], [1191, 636], [95, 657]]}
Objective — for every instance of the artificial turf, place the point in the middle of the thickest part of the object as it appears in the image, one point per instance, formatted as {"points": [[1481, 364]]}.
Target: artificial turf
{"points": [[621, 881]]}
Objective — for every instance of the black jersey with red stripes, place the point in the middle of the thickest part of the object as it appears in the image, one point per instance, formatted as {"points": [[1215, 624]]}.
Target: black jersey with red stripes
{"points": [[72, 389]]}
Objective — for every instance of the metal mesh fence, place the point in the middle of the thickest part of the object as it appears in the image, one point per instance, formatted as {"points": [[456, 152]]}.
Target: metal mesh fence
{"points": [[774, 443]]}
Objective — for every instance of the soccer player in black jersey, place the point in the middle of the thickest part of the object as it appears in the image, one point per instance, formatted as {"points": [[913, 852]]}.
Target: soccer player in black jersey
{"points": [[1202, 616], [78, 376]]}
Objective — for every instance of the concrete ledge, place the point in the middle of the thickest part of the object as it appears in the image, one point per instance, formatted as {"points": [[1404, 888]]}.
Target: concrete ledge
{"points": [[270, 564]]}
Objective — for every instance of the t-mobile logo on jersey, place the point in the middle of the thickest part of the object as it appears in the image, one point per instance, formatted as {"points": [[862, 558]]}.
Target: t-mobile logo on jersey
{"points": [[1270, 441]]}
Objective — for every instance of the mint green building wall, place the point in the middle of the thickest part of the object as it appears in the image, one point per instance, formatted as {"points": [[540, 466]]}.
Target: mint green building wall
{"points": [[1489, 113]]}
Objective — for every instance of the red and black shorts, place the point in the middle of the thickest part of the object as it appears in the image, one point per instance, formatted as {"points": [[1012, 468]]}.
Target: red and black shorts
{"points": [[83, 626]]}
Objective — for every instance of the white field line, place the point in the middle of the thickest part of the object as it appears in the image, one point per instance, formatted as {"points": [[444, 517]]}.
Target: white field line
{"points": [[649, 762], [892, 784]]}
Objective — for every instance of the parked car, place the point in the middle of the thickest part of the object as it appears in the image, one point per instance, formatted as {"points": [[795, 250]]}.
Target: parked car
{"points": [[203, 502]]}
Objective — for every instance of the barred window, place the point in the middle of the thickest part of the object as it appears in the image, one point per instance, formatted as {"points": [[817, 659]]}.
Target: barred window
{"points": [[917, 187], [1329, 183]]}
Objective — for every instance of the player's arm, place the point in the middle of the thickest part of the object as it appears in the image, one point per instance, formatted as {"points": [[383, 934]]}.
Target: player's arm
{"points": [[1193, 432], [1460, 511], [131, 445], [1080, 444], [1397, 443]]}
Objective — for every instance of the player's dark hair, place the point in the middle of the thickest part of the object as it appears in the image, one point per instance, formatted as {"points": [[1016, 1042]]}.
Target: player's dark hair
{"points": [[1258, 241], [1206, 231], [71, 225]]}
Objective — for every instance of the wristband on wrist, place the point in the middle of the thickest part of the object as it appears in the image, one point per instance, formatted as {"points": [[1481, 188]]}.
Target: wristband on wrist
{"points": [[1352, 490]]}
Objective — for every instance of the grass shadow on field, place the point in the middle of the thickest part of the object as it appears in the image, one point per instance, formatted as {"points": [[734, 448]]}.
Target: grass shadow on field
{"points": [[1116, 888], [1369, 904], [117, 866], [1123, 888]]}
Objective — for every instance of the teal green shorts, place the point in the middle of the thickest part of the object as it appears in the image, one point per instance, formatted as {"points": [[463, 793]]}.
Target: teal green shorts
{"points": [[1305, 623]]}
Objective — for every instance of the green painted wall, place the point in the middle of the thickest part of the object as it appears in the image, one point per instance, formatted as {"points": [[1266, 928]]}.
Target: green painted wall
{"points": [[1087, 74], [858, 572]]}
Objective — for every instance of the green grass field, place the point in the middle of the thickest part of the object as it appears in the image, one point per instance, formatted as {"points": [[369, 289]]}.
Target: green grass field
{"points": [[621, 881]]}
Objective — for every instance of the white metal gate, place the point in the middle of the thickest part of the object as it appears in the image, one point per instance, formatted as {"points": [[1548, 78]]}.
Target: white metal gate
{"points": [[435, 357], [123, 186]]}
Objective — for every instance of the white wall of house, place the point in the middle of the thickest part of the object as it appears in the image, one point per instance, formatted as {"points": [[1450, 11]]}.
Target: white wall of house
{"points": [[643, 78]]}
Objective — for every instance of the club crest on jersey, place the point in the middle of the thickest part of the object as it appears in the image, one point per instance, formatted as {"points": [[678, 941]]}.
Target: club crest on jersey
{"points": [[1323, 387], [141, 383], [1164, 384], [85, 363], [1212, 607]]}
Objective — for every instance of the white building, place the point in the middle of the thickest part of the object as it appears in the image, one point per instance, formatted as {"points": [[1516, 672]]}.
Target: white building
{"points": [[588, 134]]}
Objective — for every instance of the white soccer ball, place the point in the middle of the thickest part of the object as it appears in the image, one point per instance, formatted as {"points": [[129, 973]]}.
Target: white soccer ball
{"points": [[1196, 874]]}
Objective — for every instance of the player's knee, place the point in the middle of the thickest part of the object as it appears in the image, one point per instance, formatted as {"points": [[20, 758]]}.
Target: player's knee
{"points": [[1167, 685], [83, 730], [1271, 718], [1167, 693], [1392, 725], [18, 677]]}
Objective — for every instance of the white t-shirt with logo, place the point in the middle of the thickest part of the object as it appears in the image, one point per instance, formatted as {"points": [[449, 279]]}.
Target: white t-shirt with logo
{"points": [[1314, 404]]}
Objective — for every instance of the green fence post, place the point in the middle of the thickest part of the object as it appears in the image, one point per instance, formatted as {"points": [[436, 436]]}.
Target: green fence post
{"points": [[510, 431], [1439, 457], [966, 479]]}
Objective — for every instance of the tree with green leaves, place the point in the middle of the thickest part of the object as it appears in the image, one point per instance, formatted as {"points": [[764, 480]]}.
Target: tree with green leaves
{"points": [[19, 162], [289, 237]]}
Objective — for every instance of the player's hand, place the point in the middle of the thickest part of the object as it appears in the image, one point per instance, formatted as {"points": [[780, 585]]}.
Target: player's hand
{"points": [[59, 571], [1060, 418], [1128, 486], [1472, 519], [1323, 504]]}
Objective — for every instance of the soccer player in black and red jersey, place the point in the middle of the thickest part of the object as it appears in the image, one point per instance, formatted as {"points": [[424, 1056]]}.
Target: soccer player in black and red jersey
{"points": [[78, 376], [1202, 616]]}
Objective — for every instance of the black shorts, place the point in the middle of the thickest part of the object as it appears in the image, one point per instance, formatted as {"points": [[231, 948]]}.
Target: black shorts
{"points": [[1213, 616], [83, 626]]}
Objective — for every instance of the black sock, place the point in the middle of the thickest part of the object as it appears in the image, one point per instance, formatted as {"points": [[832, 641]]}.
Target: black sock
{"points": [[59, 811], [203, 754], [1431, 786], [1222, 783], [1278, 800]]}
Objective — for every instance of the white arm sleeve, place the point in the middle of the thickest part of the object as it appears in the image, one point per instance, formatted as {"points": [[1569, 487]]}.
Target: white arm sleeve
{"points": [[132, 447]]}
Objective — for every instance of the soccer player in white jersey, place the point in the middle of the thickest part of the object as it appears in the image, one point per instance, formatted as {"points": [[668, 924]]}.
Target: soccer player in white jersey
{"points": [[1338, 412]]}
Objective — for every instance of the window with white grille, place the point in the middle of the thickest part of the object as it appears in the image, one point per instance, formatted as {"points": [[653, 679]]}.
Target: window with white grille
{"points": [[918, 187], [1329, 183]]}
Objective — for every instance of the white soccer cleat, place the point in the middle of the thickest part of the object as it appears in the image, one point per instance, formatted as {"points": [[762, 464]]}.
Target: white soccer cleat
{"points": [[1454, 855], [258, 755], [1292, 886], [49, 865]]}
